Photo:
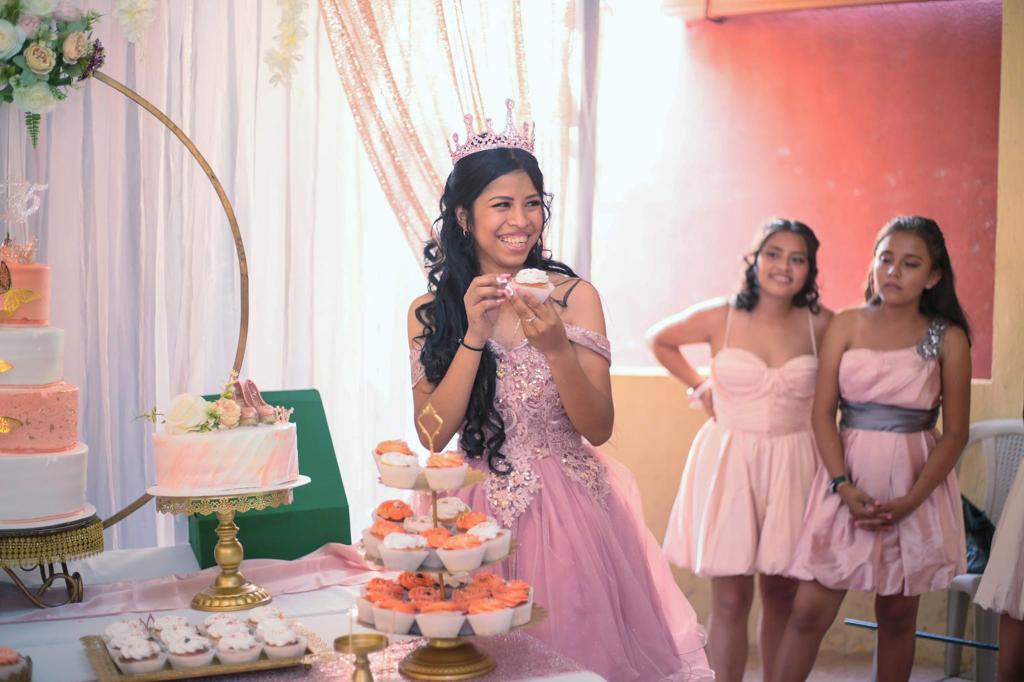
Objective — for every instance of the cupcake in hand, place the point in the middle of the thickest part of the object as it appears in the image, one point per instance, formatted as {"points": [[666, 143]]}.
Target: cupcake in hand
{"points": [[403, 551], [394, 616], [461, 553], [440, 619], [497, 541], [140, 656], [398, 470], [446, 471], [189, 652], [533, 283], [489, 617], [280, 641], [238, 647]]}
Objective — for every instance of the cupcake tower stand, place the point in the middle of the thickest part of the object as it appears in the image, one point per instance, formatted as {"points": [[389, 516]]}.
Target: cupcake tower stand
{"points": [[230, 590], [450, 658]]}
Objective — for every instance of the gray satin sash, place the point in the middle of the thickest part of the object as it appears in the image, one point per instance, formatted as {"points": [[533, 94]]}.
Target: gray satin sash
{"points": [[879, 417]]}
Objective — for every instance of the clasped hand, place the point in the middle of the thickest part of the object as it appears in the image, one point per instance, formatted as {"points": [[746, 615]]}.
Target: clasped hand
{"points": [[872, 514]]}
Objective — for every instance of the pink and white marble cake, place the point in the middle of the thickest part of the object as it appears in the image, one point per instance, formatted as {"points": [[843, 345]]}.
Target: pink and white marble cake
{"points": [[43, 487], [33, 277], [46, 418], [247, 457]]}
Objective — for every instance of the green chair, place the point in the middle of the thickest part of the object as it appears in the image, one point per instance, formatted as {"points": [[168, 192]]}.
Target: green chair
{"points": [[319, 513]]}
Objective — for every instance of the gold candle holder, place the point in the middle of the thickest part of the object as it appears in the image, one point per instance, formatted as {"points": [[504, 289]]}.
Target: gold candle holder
{"points": [[361, 645]]}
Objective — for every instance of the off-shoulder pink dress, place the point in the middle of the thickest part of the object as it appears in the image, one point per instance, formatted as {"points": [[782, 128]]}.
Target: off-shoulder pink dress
{"points": [[612, 602]]}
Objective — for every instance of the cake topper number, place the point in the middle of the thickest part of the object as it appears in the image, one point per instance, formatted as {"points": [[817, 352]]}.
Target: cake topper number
{"points": [[9, 424], [429, 415]]}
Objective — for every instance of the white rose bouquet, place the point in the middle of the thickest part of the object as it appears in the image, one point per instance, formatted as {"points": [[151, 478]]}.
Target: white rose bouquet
{"points": [[46, 46]]}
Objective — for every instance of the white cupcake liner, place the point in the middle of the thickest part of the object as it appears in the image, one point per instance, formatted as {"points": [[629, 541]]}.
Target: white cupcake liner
{"points": [[399, 477], [441, 623], [462, 559], [150, 665], [499, 547], [186, 661], [538, 294], [364, 611], [493, 623], [229, 656], [392, 622], [522, 614], [286, 651], [402, 559], [446, 478], [371, 543]]}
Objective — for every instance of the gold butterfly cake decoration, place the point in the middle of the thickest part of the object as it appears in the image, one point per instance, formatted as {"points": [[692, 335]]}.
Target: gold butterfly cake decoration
{"points": [[5, 366], [9, 424], [15, 299]]}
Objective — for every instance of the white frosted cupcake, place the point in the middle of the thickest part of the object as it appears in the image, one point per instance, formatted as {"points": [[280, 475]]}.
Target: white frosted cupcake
{"points": [[386, 446], [115, 644], [394, 616], [126, 627], [140, 656], [497, 541], [283, 642], [223, 628], [449, 508], [398, 470], [418, 524], [533, 283], [217, 618], [489, 617], [446, 471], [440, 619], [168, 623], [403, 551], [463, 552], [169, 633], [189, 652], [238, 647], [262, 613], [518, 595]]}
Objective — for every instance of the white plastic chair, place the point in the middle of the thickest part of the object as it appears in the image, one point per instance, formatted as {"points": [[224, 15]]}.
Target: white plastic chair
{"points": [[1002, 443]]}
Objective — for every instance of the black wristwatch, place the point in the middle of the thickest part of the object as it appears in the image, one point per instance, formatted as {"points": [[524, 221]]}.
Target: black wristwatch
{"points": [[834, 484]]}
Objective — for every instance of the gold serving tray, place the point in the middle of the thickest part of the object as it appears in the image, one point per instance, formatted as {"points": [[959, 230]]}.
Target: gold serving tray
{"points": [[106, 670]]}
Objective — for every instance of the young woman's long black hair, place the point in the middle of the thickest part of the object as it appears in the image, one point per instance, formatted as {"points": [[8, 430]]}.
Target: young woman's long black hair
{"points": [[941, 300], [808, 295], [452, 263]]}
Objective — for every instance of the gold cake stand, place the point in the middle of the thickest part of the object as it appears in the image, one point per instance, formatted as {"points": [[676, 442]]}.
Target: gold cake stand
{"points": [[230, 590]]}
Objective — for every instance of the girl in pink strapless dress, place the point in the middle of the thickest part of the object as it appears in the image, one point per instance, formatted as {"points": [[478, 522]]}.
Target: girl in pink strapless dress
{"points": [[744, 487], [525, 385], [884, 514]]}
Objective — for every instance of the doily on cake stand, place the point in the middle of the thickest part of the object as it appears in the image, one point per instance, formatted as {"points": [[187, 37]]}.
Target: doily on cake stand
{"points": [[230, 590], [40, 546]]}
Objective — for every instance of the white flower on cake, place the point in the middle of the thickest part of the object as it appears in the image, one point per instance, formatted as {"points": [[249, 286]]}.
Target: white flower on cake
{"points": [[187, 413]]}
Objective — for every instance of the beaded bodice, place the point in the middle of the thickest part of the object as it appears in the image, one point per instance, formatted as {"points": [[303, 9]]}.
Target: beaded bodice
{"points": [[536, 426]]}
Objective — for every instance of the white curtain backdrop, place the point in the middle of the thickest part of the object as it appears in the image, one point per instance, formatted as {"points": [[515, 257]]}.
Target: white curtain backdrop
{"points": [[145, 279]]}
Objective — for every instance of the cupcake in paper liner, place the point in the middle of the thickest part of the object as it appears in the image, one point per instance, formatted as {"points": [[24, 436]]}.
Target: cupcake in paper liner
{"points": [[461, 553], [386, 446], [125, 627], [418, 524], [403, 551], [449, 508], [440, 619], [497, 541], [534, 283], [14, 667], [238, 647], [435, 537], [189, 652], [398, 470], [375, 534], [263, 613], [518, 595], [280, 641], [395, 511], [222, 628], [167, 634], [394, 616], [140, 656], [115, 645], [489, 617], [446, 471]]}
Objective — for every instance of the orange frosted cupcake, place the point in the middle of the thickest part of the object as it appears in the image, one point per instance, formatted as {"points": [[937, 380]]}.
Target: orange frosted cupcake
{"points": [[519, 596], [394, 616], [489, 617], [441, 619], [488, 579], [386, 446], [373, 536], [467, 520], [393, 510], [446, 471], [409, 580], [436, 537], [461, 553], [468, 595], [422, 595]]}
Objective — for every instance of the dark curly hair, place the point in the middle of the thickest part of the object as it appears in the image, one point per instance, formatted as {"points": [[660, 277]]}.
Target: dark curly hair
{"points": [[808, 295], [941, 300], [452, 263]]}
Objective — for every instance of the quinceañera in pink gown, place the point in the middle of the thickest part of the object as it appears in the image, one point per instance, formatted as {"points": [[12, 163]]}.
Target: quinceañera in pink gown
{"points": [[889, 402], [744, 488], [611, 600]]}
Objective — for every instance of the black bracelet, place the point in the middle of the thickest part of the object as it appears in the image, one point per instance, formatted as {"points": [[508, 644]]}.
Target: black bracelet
{"points": [[466, 345], [834, 484]]}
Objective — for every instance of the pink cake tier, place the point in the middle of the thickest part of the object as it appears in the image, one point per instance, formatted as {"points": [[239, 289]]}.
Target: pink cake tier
{"points": [[31, 277], [247, 457], [42, 487], [46, 418]]}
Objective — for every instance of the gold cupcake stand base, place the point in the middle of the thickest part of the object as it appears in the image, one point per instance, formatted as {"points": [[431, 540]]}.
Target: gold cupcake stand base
{"points": [[230, 590], [446, 659]]}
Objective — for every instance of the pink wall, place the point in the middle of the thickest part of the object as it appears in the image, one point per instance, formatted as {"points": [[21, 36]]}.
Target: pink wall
{"points": [[842, 118]]}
